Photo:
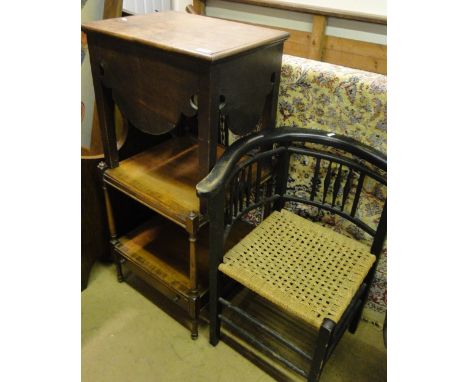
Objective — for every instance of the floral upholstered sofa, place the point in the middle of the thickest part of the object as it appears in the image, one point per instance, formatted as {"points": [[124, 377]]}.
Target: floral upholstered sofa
{"points": [[348, 102]]}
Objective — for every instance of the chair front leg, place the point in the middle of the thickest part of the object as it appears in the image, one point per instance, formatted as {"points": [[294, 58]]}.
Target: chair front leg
{"points": [[215, 306], [321, 349], [216, 245]]}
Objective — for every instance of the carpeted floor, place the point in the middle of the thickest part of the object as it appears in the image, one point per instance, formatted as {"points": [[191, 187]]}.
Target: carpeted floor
{"points": [[125, 337]]}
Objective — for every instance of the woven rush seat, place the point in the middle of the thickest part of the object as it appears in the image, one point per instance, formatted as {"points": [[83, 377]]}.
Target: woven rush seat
{"points": [[306, 269]]}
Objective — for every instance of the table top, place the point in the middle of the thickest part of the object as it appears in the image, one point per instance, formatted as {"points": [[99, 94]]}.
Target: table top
{"points": [[198, 36]]}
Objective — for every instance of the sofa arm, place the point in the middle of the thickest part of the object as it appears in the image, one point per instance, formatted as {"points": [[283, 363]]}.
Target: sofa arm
{"points": [[334, 98]]}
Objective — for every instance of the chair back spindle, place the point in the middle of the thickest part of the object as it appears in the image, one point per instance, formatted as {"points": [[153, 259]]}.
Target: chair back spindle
{"points": [[257, 177]]}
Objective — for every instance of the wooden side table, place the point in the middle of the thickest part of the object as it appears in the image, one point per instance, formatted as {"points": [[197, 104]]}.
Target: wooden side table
{"points": [[157, 68]]}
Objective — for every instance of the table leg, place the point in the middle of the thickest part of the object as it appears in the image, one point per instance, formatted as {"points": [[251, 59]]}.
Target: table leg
{"points": [[111, 222]]}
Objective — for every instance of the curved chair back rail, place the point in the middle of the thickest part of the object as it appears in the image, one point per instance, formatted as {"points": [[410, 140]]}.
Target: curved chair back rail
{"points": [[254, 172], [284, 136]]}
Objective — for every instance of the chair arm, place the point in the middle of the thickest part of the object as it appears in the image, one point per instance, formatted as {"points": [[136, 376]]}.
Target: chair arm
{"points": [[218, 176]]}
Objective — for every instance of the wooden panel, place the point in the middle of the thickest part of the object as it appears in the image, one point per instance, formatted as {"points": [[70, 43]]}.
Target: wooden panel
{"points": [[369, 64], [298, 42], [112, 8], [151, 91], [356, 54], [199, 6], [205, 38], [355, 47]]}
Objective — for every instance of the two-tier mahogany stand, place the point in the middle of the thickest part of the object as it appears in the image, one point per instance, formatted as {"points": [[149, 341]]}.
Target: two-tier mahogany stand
{"points": [[156, 68]]}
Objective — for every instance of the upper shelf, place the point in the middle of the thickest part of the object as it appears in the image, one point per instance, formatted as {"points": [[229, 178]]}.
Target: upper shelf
{"points": [[373, 11], [202, 37], [163, 178]]}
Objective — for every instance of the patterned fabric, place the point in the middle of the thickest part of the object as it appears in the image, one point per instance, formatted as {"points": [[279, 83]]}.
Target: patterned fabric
{"points": [[348, 102], [323, 96]]}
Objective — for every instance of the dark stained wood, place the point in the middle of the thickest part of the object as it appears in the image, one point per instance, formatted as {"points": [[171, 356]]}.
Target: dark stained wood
{"points": [[105, 107], [249, 85], [296, 332], [290, 328], [208, 119], [191, 35], [94, 230], [151, 89]]}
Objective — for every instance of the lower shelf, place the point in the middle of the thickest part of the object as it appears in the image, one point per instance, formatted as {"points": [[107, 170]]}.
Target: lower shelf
{"points": [[158, 252]]}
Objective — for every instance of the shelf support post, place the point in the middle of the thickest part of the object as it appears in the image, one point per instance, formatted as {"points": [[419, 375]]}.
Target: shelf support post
{"points": [[192, 229], [102, 167]]}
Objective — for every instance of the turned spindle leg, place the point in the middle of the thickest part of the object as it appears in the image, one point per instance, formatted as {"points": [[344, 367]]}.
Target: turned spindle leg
{"points": [[194, 305], [111, 223]]}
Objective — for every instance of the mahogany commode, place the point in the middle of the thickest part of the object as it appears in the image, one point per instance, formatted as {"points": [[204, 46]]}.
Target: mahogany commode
{"points": [[159, 69]]}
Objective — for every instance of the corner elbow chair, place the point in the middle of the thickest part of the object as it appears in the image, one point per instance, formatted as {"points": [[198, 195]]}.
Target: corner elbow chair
{"points": [[302, 267]]}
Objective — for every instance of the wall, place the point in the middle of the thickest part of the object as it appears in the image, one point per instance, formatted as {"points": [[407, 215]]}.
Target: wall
{"points": [[146, 6], [179, 5], [351, 29]]}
